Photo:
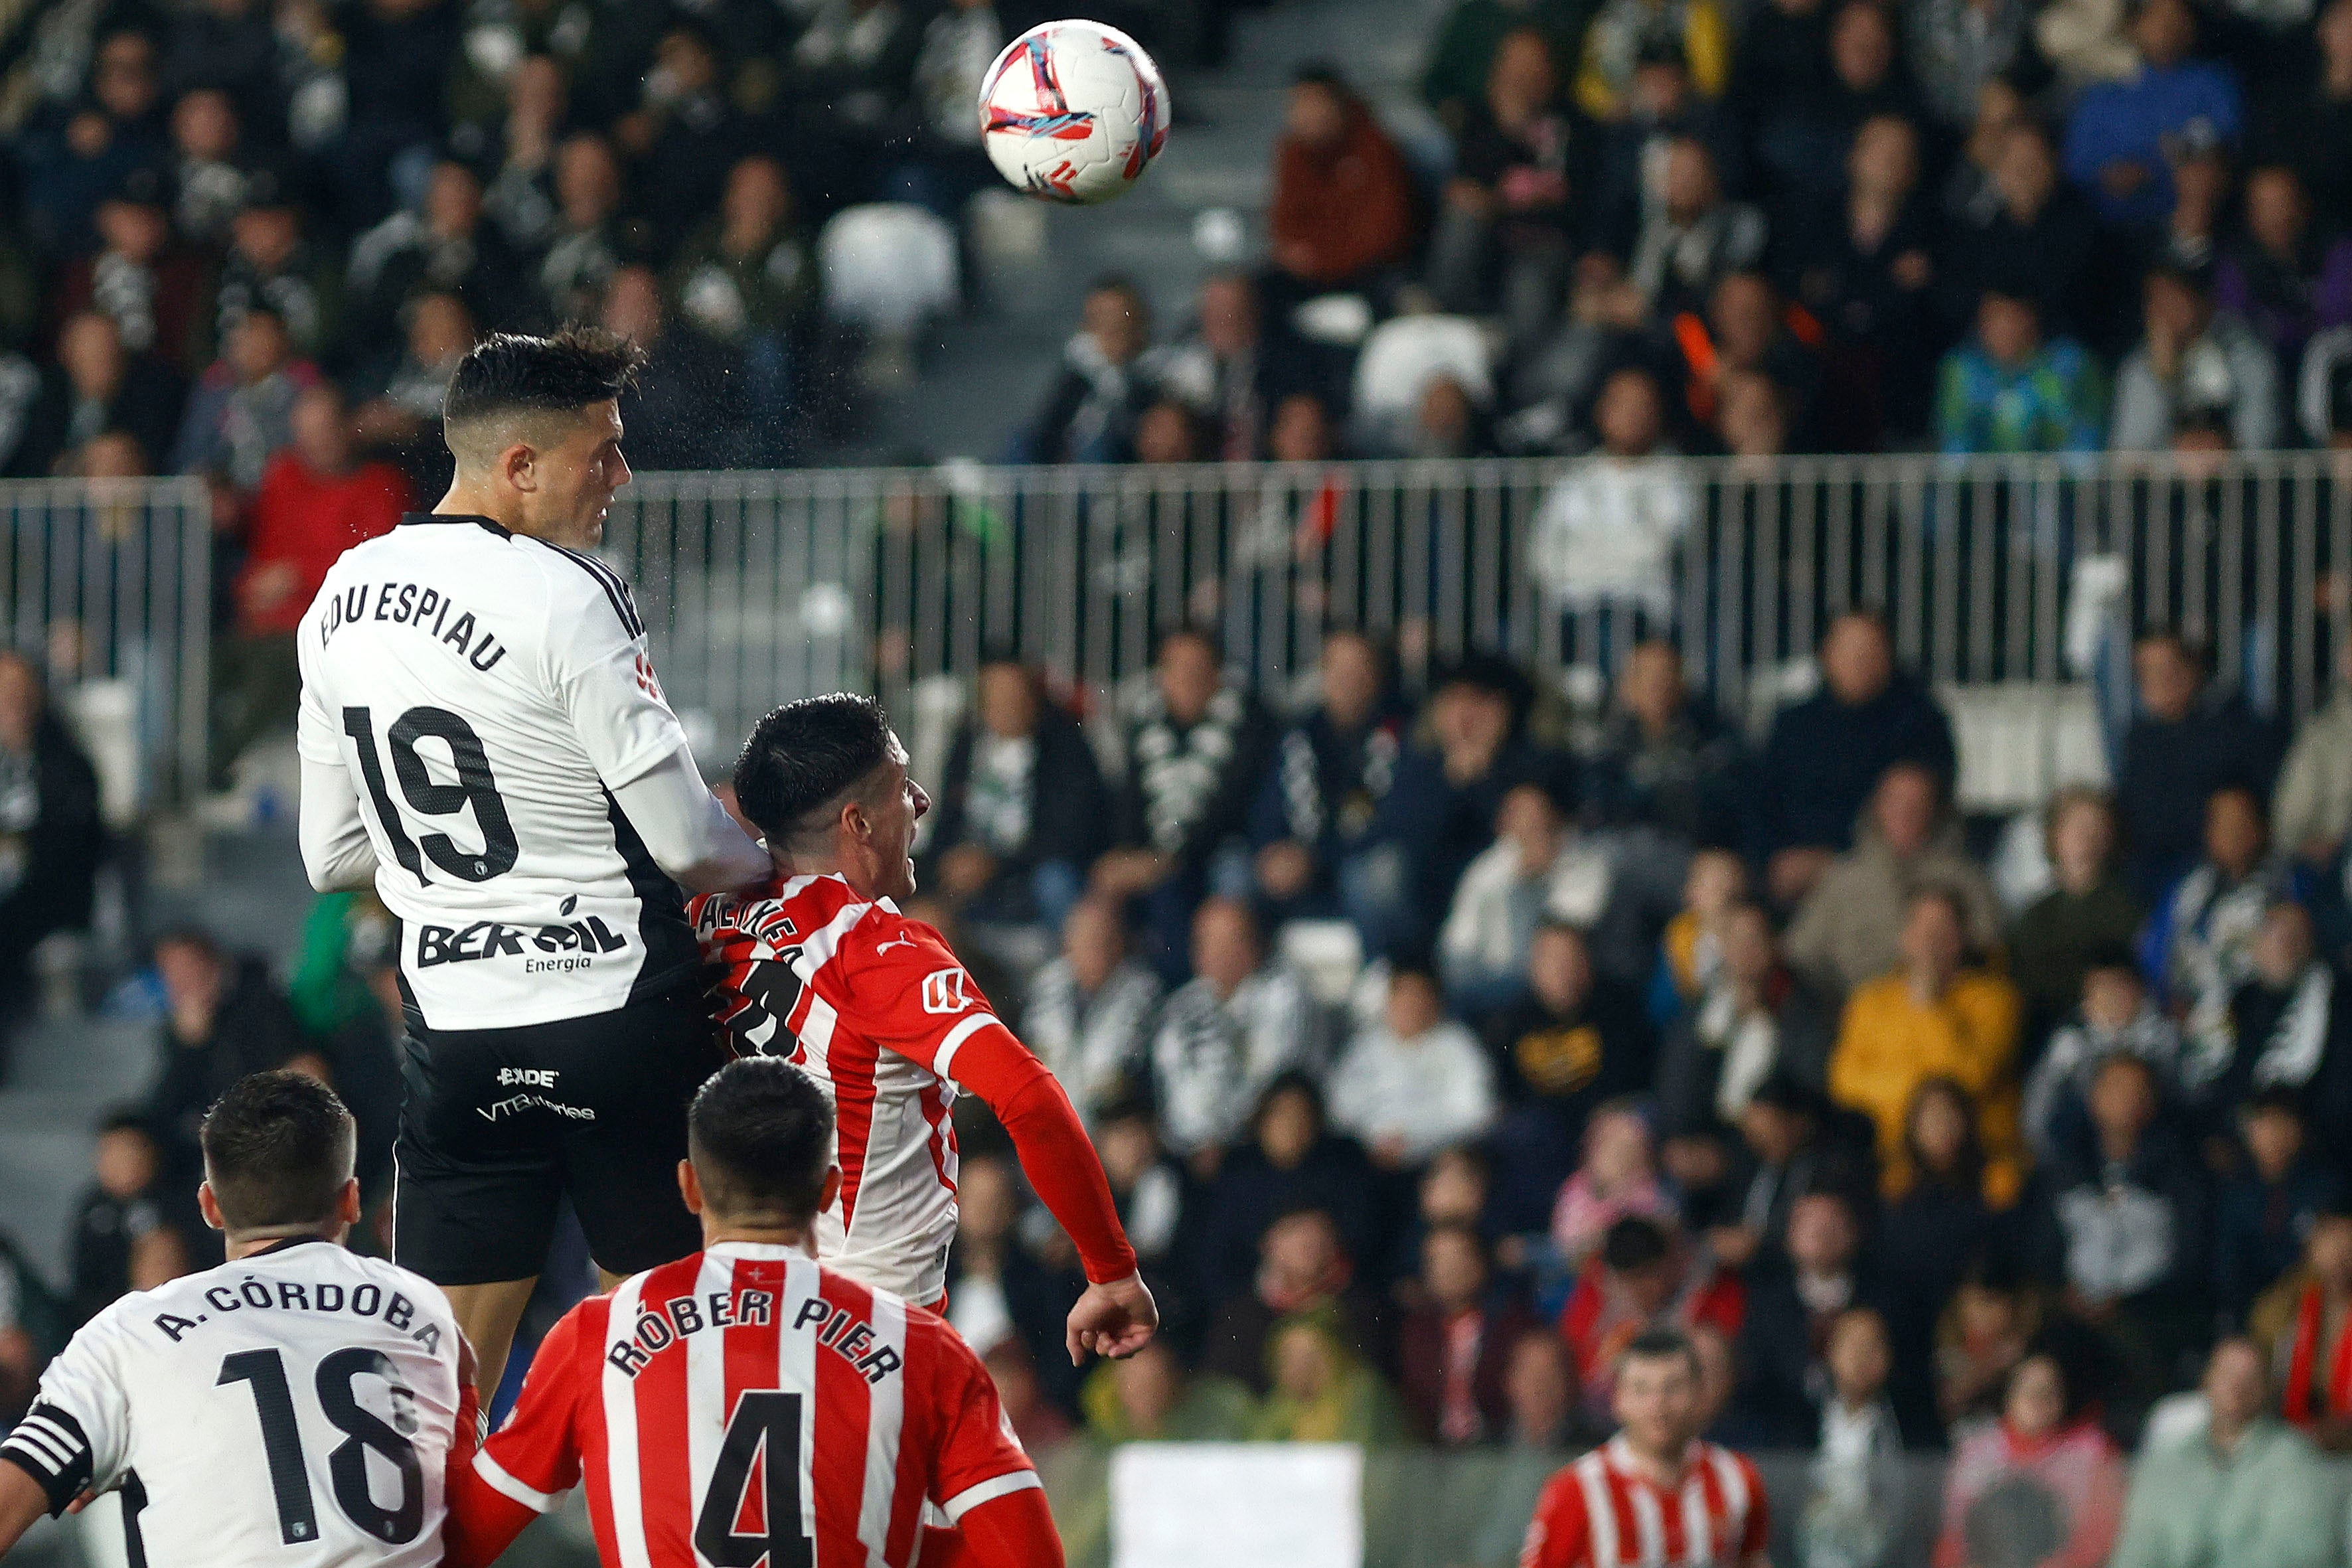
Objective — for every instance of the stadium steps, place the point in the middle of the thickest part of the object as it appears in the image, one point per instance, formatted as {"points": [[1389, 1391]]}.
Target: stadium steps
{"points": [[983, 375]]}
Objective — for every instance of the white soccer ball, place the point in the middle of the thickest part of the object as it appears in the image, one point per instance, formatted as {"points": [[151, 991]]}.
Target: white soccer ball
{"points": [[1074, 111]]}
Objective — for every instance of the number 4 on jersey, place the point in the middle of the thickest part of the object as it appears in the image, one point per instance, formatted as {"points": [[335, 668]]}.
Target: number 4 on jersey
{"points": [[739, 1527]]}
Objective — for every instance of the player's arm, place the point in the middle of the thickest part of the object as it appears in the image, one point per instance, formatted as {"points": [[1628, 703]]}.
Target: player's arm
{"points": [[525, 1467], [1015, 1531], [22, 1501], [979, 1477], [598, 665], [71, 1441], [335, 847]]}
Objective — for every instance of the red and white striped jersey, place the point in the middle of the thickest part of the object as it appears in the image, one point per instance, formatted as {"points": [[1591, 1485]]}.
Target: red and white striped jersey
{"points": [[747, 1406], [874, 1007], [1602, 1513]]}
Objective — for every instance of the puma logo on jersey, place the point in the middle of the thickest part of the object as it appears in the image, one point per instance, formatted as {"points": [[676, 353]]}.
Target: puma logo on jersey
{"points": [[945, 991], [902, 940]]}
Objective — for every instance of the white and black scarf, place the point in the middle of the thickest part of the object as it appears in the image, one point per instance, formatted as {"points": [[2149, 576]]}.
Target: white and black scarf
{"points": [[1180, 771]]}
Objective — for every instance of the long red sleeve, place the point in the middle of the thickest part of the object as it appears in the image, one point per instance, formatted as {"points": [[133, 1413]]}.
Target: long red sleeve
{"points": [[1015, 1531], [1055, 1153]]}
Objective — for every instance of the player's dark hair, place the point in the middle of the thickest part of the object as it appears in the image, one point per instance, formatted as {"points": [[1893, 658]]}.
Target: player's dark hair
{"points": [[507, 372], [278, 1149], [1661, 1344], [761, 1135], [805, 755]]}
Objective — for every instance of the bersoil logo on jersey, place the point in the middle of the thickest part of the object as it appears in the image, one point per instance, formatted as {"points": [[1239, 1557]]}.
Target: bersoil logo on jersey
{"points": [[573, 947]]}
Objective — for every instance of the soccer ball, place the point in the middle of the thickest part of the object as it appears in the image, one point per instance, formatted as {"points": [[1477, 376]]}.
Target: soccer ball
{"points": [[1073, 112]]}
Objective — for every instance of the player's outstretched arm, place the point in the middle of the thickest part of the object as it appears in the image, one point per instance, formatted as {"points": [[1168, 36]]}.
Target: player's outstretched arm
{"points": [[1015, 1531], [687, 832], [335, 848], [23, 1500]]}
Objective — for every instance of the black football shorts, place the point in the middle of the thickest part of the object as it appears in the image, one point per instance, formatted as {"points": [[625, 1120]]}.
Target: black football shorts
{"points": [[497, 1126]]}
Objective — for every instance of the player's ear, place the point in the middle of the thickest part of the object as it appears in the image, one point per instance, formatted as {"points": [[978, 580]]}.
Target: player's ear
{"points": [[347, 1201], [831, 1193], [209, 1206], [689, 1186], [519, 464]]}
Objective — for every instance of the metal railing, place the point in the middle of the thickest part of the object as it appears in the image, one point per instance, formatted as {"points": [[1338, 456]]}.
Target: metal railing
{"points": [[764, 587], [759, 587], [111, 581]]}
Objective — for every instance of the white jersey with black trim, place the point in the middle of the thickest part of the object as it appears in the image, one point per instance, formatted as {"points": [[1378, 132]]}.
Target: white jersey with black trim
{"points": [[486, 695], [296, 1408]]}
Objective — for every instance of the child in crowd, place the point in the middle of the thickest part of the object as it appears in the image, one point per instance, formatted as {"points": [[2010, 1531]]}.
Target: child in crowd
{"points": [[2267, 1208], [1690, 952], [2046, 1452], [2203, 940], [1538, 868], [1853, 1514], [1992, 1318], [1417, 1082], [1618, 1177], [2116, 1015]]}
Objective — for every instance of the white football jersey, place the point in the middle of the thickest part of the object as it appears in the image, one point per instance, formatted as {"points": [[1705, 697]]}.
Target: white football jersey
{"points": [[486, 693], [294, 1408]]}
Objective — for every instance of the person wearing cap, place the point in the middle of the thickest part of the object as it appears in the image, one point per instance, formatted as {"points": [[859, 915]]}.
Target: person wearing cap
{"points": [[2195, 366]]}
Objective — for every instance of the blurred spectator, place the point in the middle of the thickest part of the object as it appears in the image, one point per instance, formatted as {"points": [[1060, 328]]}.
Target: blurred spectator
{"points": [[1035, 1424], [1614, 39], [1691, 950], [1149, 1397], [1194, 752], [2324, 391], [2284, 280], [847, 82], [98, 385], [1796, 1295], [1302, 1268], [121, 1239], [1983, 1338], [586, 243], [1692, 238], [1804, 141], [402, 419], [1342, 207], [1828, 752], [152, 288], [1753, 1021], [1089, 1013], [2261, 1213], [2287, 1030], [70, 158], [1320, 1389], [1456, 1187], [521, 196], [2043, 1485], [1225, 1035], [1021, 805], [1228, 371], [2305, 1322], [2030, 237], [2184, 744], [316, 500], [270, 267], [1089, 414], [2303, 114], [2193, 365], [208, 186], [1927, 1237], [1860, 268], [1797, 1141], [1417, 1081], [2244, 1492], [1538, 870], [1604, 543], [2117, 140], [2007, 391], [242, 413], [399, 60], [1748, 331], [29, 1334], [1147, 1190], [748, 280], [224, 1018], [948, 165], [445, 246], [2189, 239], [1643, 1277], [1441, 813], [229, 45], [1463, 52], [2132, 1216], [1502, 240], [1854, 1502], [999, 1291], [1932, 1019], [687, 408], [2115, 1018], [1781, 66], [1617, 1180], [1312, 822], [1454, 1352], [1957, 46], [1667, 761], [685, 135], [1847, 931], [2202, 942], [2088, 912], [1576, 1041], [1554, 383], [51, 841], [1660, 103], [1291, 1161], [2312, 812]]}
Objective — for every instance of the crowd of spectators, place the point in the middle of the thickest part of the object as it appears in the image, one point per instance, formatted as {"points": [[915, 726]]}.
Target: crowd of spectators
{"points": [[1669, 1029], [1802, 226]]}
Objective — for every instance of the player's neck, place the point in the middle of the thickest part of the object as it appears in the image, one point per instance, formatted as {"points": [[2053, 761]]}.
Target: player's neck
{"points": [[467, 499], [1664, 1469], [715, 1234], [826, 863], [236, 1250]]}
